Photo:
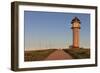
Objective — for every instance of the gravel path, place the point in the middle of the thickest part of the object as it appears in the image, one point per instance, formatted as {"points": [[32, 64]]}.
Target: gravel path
{"points": [[59, 55]]}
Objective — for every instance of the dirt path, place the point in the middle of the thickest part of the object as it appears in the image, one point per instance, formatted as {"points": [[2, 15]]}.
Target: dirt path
{"points": [[59, 55]]}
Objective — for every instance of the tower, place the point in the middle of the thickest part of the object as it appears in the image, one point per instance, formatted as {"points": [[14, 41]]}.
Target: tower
{"points": [[76, 30]]}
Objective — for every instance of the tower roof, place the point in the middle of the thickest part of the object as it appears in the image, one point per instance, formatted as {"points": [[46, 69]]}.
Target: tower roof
{"points": [[75, 19]]}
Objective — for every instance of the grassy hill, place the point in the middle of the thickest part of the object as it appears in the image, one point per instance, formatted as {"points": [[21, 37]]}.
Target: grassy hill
{"points": [[37, 55], [42, 54], [78, 53]]}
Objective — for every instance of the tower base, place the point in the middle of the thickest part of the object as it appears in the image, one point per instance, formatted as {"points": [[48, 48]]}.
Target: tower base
{"points": [[75, 47]]}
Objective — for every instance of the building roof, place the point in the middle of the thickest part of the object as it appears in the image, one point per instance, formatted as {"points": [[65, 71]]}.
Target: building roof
{"points": [[75, 19]]}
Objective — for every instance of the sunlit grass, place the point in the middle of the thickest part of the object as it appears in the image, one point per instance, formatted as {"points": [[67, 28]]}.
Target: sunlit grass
{"points": [[37, 55], [78, 53]]}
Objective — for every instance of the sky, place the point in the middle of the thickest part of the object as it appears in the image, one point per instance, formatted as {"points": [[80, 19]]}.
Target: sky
{"points": [[45, 30]]}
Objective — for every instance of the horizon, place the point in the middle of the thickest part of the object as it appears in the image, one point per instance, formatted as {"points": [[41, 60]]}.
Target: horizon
{"points": [[49, 48]]}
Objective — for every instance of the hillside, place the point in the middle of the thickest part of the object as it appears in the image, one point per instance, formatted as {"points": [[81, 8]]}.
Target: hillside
{"points": [[56, 54]]}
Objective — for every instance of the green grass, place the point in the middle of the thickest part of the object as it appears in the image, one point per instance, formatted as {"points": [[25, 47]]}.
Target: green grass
{"points": [[37, 55], [78, 53]]}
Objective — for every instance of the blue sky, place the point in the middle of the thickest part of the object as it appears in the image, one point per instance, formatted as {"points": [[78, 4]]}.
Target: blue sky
{"points": [[53, 30]]}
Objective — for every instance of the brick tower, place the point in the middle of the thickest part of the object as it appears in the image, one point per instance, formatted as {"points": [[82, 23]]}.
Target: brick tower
{"points": [[76, 30]]}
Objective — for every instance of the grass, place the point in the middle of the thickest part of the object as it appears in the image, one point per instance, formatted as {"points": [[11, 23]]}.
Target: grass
{"points": [[78, 53], [42, 54], [37, 55]]}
